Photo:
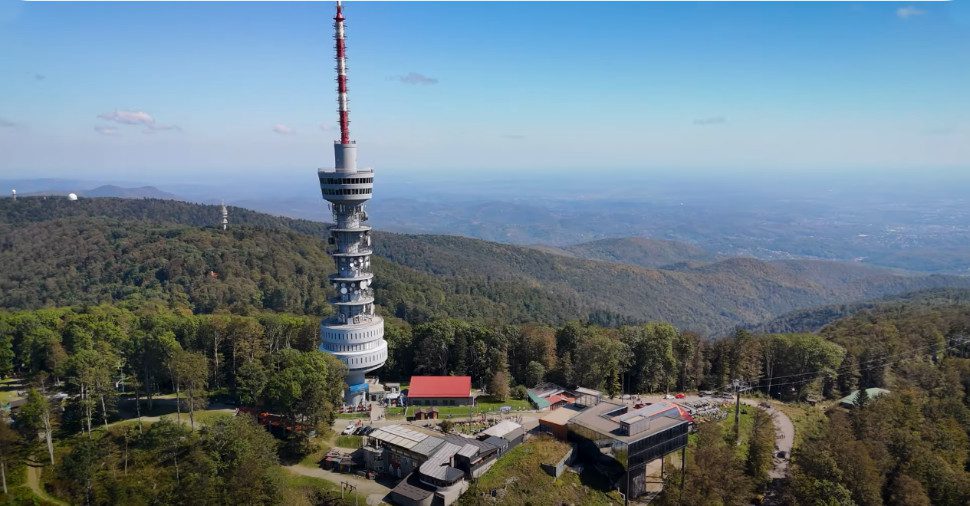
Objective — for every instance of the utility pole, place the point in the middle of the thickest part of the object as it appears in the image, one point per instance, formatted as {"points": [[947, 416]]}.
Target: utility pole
{"points": [[346, 485], [683, 469], [739, 387]]}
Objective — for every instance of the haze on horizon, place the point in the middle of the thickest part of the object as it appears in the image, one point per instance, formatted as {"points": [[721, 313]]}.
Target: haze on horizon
{"points": [[201, 92]]}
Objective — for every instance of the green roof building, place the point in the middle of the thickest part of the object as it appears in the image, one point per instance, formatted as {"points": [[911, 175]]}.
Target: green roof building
{"points": [[849, 400]]}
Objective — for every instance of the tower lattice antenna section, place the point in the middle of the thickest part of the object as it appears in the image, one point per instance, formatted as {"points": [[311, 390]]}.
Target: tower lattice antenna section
{"points": [[341, 47]]}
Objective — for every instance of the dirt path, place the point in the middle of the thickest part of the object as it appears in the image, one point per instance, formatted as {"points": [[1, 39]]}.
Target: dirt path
{"points": [[784, 438], [33, 482], [373, 491]]}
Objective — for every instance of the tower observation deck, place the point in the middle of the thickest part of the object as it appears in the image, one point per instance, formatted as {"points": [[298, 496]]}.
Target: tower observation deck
{"points": [[354, 333]]}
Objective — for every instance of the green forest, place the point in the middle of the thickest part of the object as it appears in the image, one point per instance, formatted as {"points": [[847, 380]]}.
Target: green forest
{"points": [[146, 319], [55, 252]]}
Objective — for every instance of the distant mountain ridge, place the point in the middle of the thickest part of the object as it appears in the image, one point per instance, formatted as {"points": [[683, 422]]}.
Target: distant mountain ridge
{"points": [[143, 192], [639, 251], [425, 276], [107, 190]]}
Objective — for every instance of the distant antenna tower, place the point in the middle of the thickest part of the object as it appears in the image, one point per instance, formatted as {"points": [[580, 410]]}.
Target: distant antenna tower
{"points": [[225, 216], [13, 193]]}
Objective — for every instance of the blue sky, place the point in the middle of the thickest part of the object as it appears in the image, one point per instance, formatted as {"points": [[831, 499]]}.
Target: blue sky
{"points": [[243, 88]]}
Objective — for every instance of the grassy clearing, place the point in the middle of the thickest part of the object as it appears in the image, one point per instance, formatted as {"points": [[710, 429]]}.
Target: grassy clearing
{"points": [[518, 474], [353, 416], [314, 459], [349, 441], [305, 490], [9, 388], [806, 418], [210, 417], [482, 405], [202, 417]]}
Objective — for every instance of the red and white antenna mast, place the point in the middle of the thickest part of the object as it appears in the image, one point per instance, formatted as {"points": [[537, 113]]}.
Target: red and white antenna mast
{"points": [[338, 25]]}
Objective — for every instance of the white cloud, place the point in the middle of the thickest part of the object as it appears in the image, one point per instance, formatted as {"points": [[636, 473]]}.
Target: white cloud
{"points": [[137, 118], [327, 128], [908, 12], [416, 78], [106, 130], [129, 117], [283, 129], [714, 120]]}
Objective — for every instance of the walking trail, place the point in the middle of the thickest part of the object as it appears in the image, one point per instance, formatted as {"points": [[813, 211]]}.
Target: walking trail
{"points": [[33, 481]]}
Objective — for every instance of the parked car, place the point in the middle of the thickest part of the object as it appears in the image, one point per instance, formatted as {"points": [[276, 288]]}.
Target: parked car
{"points": [[705, 393], [349, 429], [680, 396]]}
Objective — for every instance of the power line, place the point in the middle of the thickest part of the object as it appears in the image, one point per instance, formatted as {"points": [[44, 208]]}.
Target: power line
{"points": [[885, 359], [885, 362]]}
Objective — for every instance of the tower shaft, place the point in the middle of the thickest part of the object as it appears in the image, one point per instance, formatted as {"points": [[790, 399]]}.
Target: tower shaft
{"points": [[354, 333]]}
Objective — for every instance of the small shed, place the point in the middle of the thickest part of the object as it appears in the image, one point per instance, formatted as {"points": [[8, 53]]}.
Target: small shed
{"points": [[500, 429], [559, 400], [587, 397], [515, 437], [538, 402], [376, 392], [555, 422], [426, 414]]}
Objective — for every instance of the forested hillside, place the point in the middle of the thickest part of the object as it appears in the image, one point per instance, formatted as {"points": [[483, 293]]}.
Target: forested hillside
{"points": [[909, 447], [912, 445], [813, 319], [56, 252]]}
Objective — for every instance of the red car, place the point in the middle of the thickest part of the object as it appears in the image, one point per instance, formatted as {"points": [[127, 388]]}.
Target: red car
{"points": [[680, 396]]}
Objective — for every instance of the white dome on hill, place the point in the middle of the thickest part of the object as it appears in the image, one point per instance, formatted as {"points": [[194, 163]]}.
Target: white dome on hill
{"points": [[71, 196]]}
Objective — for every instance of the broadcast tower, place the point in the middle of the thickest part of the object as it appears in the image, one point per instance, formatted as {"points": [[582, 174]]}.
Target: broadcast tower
{"points": [[354, 334]]}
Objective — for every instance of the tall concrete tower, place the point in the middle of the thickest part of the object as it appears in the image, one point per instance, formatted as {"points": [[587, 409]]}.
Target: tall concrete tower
{"points": [[225, 216], [354, 334]]}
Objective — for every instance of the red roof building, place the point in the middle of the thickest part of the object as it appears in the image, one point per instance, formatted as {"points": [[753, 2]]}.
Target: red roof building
{"points": [[560, 400], [440, 391]]}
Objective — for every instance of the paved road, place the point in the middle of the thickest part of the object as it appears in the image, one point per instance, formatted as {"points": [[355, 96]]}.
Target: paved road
{"points": [[784, 438], [784, 431], [372, 490]]}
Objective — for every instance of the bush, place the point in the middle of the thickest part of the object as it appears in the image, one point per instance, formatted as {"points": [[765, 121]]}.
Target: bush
{"points": [[520, 392]]}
